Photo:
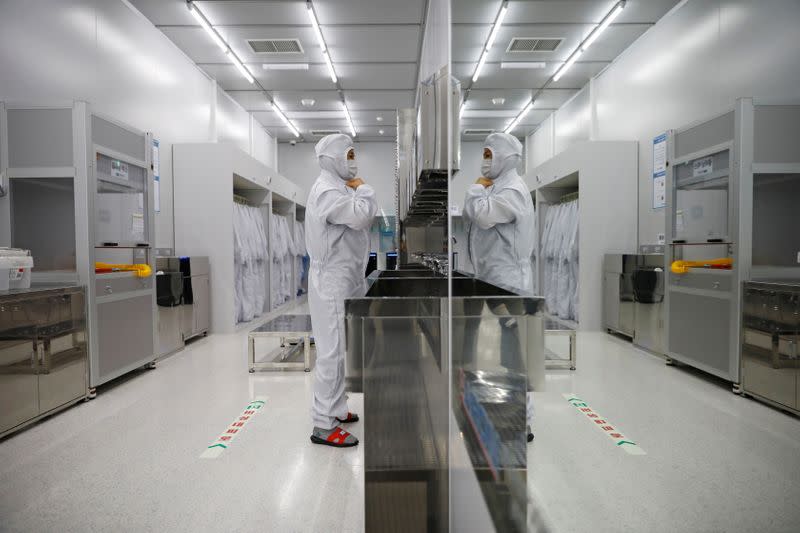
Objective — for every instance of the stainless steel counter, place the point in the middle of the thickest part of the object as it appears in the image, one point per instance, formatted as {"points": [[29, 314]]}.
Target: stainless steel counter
{"points": [[43, 352], [398, 354]]}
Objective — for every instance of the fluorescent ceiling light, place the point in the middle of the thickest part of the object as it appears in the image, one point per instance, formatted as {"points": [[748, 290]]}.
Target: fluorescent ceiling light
{"points": [[478, 69], [522, 64], [317, 31], [603, 25], [519, 118], [565, 67], [285, 66], [349, 120], [206, 26], [330, 66], [242, 68], [496, 27], [490, 41], [285, 120]]}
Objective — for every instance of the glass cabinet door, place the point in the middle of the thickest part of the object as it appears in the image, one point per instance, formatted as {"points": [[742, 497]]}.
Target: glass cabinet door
{"points": [[701, 201], [121, 216]]}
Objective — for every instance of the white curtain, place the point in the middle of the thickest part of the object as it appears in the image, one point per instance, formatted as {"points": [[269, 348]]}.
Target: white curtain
{"points": [[560, 261], [284, 253], [250, 259]]}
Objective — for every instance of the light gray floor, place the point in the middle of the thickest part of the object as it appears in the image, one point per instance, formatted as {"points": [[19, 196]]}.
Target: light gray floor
{"points": [[129, 460], [715, 461]]}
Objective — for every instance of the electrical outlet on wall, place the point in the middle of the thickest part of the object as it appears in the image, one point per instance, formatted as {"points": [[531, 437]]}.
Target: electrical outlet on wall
{"points": [[663, 238]]}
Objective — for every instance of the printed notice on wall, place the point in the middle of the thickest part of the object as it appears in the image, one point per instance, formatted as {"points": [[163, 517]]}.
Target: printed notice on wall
{"points": [[156, 177], [660, 171]]}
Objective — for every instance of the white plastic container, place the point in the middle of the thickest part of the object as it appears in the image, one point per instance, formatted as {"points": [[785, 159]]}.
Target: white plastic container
{"points": [[15, 269]]}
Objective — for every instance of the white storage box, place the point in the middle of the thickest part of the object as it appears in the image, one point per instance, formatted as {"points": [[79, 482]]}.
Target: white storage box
{"points": [[15, 268]]}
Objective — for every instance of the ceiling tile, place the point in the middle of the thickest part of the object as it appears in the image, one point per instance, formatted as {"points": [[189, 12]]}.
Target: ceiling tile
{"points": [[369, 11], [315, 78], [232, 12], [379, 99], [376, 43], [377, 76], [553, 98], [482, 99], [164, 11], [196, 44], [327, 100]]}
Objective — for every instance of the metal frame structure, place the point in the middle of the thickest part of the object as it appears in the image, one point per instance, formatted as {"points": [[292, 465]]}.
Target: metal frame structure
{"points": [[277, 359]]}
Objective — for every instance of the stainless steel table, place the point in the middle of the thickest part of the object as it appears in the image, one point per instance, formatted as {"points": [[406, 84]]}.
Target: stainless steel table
{"points": [[554, 327], [284, 357]]}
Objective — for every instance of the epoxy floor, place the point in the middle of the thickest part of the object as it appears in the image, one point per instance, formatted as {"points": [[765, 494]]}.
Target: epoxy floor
{"points": [[129, 460]]}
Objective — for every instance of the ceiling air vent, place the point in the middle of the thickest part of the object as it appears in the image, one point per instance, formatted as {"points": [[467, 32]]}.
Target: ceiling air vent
{"points": [[275, 46], [323, 133], [477, 132], [532, 44]]}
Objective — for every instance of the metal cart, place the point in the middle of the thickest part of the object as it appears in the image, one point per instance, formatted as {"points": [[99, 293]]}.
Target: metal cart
{"points": [[284, 357], [553, 327]]}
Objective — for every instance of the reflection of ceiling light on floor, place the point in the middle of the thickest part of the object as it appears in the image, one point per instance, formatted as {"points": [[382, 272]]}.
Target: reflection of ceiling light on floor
{"points": [[498, 101], [307, 102], [380, 132], [379, 119]]}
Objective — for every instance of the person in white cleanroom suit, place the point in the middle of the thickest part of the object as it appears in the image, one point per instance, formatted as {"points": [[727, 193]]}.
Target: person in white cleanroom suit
{"points": [[339, 212], [500, 216]]}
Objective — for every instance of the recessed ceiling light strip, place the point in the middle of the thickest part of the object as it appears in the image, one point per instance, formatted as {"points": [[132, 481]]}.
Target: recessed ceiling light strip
{"points": [[326, 55], [498, 21], [206, 25], [349, 120], [285, 120], [592, 37]]}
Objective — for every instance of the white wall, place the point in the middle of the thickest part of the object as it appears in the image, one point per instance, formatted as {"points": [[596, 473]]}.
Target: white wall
{"points": [[691, 65], [106, 53], [376, 166]]}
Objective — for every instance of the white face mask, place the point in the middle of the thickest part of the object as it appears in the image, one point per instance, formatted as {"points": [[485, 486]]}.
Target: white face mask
{"points": [[352, 168], [486, 168]]}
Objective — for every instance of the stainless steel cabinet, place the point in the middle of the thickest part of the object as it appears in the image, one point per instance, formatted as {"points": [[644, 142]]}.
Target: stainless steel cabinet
{"points": [[648, 293], [770, 337], [43, 353], [196, 309], [618, 305]]}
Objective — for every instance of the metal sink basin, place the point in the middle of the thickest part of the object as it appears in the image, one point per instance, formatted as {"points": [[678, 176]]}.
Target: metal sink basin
{"points": [[397, 355]]}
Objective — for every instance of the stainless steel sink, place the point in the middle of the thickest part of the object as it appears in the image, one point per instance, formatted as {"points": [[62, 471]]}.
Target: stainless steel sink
{"points": [[397, 355]]}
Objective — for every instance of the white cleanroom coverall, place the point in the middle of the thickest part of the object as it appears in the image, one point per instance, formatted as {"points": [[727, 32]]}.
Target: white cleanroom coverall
{"points": [[501, 232], [337, 237], [501, 229]]}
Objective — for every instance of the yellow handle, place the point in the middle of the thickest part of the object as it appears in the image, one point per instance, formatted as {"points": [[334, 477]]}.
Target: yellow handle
{"points": [[682, 267], [142, 270]]}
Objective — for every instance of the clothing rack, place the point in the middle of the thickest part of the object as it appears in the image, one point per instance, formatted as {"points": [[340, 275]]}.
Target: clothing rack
{"points": [[242, 200], [567, 198]]}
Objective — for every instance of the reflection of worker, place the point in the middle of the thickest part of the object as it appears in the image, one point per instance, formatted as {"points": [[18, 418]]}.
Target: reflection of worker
{"points": [[339, 211], [500, 213]]}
